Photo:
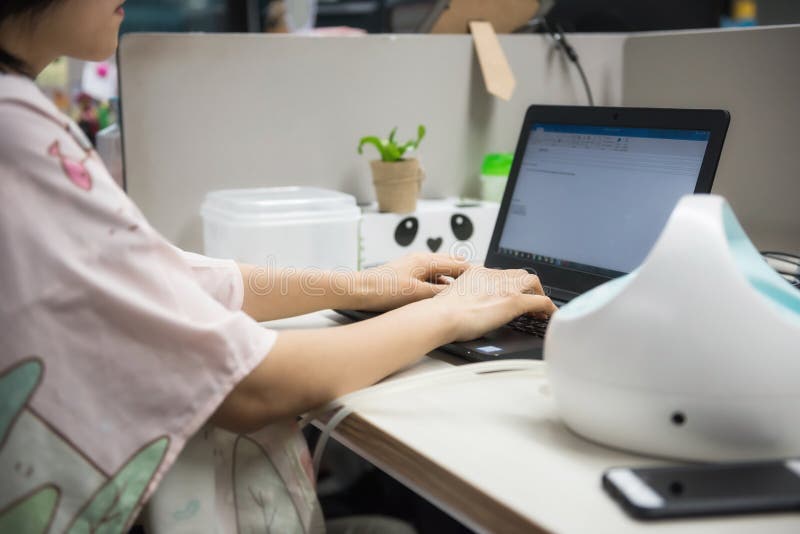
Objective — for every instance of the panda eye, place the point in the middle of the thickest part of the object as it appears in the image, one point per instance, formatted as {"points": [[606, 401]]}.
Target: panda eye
{"points": [[406, 231], [462, 226]]}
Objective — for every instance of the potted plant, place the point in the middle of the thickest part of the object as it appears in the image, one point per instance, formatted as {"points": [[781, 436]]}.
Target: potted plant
{"points": [[397, 179]]}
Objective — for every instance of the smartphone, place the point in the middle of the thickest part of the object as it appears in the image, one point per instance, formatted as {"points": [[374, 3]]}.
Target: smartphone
{"points": [[706, 489]]}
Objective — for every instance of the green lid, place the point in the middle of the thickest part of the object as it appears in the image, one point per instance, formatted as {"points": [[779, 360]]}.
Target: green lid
{"points": [[497, 164]]}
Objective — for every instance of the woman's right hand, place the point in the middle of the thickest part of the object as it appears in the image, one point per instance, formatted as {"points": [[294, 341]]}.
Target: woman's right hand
{"points": [[483, 299]]}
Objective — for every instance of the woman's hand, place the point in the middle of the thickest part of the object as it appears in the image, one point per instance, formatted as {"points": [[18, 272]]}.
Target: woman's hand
{"points": [[483, 299], [408, 279], [307, 368]]}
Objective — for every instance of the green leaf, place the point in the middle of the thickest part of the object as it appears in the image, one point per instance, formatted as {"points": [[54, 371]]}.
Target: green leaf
{"points": [[31, 515], [372, 140], [420, 135], [16, 387], [403, 149], [388, 148], [413, 143], [392, 153], [111, 507]]}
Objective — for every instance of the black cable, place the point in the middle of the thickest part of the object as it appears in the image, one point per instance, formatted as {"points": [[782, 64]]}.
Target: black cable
{"points": [[792, 279], [585, 83], [792, 276], [783, 261], [560, 39], [787, 256]]}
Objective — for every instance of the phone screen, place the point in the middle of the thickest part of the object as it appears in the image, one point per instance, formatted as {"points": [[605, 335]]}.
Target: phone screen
{"points": [[706, 489]]}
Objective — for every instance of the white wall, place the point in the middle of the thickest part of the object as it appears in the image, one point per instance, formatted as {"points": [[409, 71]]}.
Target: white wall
{"points": [[212, 111]]}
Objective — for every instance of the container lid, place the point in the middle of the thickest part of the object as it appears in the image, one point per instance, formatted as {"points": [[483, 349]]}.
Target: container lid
{"points": [[279, 202], [497, 164]]}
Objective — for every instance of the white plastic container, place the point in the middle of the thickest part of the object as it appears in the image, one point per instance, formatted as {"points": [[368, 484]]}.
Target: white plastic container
{"points": [[296, 227]]}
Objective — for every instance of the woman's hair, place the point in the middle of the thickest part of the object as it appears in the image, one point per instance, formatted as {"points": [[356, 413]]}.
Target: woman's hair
{"points": [[19, 8]]}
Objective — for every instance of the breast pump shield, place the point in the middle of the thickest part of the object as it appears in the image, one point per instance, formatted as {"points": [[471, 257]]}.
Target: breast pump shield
{"points": [[695, 355]]}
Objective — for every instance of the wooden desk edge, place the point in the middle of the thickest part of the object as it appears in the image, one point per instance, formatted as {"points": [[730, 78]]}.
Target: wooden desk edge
{"points": [[449, 492]]}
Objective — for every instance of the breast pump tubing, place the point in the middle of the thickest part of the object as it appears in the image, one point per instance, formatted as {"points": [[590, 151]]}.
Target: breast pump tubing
{"points": [[305, 368], [308, 368]]}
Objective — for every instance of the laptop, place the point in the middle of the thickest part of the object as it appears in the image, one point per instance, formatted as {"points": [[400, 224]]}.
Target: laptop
{"points": [[589, 192]]}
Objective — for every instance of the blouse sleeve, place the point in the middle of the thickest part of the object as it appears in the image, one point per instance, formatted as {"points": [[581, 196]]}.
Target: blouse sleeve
{"points": [[222, 279]]}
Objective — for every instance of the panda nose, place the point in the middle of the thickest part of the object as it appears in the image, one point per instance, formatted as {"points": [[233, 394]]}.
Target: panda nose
{"points": [[434, 244]]}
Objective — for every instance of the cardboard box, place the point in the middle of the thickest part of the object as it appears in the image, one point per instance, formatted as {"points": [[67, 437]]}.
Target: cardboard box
{"points": [[505, 15]]}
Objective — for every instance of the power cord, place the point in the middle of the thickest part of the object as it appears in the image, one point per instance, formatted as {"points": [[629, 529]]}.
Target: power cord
{"points": [[540, 24], [557, 33]]}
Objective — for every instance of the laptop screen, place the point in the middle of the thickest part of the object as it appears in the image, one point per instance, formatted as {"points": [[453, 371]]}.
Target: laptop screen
{"points": [[595, 198]]}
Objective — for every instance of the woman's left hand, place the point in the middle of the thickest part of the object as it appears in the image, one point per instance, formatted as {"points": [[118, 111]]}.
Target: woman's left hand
{"points": [[408, 279]]}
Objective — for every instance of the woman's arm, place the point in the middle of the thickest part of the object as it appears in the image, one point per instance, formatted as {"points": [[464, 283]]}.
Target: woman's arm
{"points": [[308, 368], [272, 293]]}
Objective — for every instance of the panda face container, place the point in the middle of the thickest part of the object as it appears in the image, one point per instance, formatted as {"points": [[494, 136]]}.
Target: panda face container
{"points": [[447, 226]]}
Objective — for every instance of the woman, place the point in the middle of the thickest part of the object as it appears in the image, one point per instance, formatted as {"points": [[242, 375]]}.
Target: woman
{"points": [[116, 348]]}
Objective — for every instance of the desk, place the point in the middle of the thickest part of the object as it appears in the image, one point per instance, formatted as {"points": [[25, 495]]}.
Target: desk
{"points": [[496, 457]]}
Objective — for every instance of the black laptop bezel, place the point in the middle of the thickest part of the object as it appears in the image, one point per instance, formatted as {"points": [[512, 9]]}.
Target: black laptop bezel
{"points": [[564, 283]]}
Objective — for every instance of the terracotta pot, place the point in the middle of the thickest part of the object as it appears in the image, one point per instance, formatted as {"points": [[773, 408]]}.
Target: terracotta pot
{"points": [[397, 184]]}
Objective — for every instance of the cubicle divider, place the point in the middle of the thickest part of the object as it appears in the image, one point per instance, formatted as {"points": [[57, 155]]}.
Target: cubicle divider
{"points": [[752, 73], [212, 111]]}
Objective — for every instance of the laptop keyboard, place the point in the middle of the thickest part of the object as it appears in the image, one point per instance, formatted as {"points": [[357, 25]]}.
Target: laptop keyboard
{"points": [[529, 325]]}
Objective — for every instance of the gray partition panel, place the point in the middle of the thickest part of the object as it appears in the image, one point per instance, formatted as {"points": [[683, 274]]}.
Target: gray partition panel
{"points": [[754, 74], [204, 112]]}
